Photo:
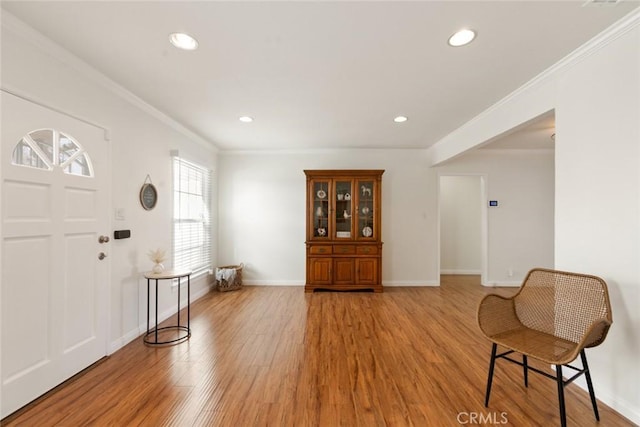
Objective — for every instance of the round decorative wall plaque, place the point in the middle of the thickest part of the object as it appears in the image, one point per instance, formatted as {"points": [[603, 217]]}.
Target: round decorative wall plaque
{"points": [[148, 195]]}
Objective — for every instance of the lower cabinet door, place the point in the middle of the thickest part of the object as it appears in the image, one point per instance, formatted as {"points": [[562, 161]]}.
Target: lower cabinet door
{"points": [[320, 271], [343, 271], [366, 271]]}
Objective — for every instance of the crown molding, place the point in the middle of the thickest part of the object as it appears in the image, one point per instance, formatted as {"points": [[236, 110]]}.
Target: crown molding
{"points": [[601, 40], [318, 151], [615, 31], [57, 52], [515, 151]]}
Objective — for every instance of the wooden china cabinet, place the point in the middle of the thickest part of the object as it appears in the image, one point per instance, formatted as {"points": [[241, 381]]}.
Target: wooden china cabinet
{"points": [[344, 246]]}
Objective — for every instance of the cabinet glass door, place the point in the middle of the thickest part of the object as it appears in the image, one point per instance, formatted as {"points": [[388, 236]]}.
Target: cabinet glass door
{"points": [[321, 194], [365, 209], [344, 209]]}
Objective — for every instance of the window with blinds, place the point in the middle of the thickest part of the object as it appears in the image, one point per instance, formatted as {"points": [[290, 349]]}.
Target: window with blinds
{"points": [[191, 216]]}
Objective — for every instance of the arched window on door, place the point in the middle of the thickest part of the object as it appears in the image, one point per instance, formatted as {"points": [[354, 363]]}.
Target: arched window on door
{"points": [[48, 148]]}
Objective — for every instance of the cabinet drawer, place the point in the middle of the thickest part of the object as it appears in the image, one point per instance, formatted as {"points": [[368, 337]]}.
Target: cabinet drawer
{"points": [[344, 249], [320, 250], [367, 250]]}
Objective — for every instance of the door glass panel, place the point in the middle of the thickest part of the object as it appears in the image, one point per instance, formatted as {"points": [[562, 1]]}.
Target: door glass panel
{"points": [[38, 148], [365, 209], [72, 158], [67, 149], [79, 166], [343, 209], [25, 155], [44, 140], [321, 209]]}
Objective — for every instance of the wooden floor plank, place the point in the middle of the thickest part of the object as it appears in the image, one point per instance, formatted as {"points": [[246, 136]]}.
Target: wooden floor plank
{"points": [[275, 356]]}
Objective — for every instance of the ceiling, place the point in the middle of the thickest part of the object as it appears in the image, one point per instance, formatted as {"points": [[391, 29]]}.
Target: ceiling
{"points": [[320, 74]]}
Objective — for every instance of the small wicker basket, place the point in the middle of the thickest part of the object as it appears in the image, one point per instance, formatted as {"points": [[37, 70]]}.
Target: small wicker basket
{"points": [[232, 283]]}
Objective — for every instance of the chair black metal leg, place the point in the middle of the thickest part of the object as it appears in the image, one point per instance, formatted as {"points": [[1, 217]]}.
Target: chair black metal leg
{"points": [[492, 364], [525, 367], [560, 381], [585, 366]]}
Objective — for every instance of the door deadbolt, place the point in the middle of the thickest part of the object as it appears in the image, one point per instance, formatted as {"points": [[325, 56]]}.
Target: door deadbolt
{"points": [[103, 239], [102, 256]]}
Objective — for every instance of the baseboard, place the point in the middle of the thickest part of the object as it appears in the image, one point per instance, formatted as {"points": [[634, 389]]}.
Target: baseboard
{"points": [[141, 329], [621, 406], [462, 272], [506, 284], [273, 282], [393, 283], [123, 340], [411, 283]]}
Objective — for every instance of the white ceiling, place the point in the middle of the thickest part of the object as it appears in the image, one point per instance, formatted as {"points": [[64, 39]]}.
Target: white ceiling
{"points": [[320, 74]]}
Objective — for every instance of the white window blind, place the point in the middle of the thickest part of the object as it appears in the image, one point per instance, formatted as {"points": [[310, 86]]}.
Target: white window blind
{"points": [[191, 216]]}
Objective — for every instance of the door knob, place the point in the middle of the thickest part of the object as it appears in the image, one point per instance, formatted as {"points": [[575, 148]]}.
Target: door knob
{"points": [[102, 256], [103, 239]]}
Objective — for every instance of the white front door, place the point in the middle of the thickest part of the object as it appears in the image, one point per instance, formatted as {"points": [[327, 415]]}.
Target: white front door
{"points": [[54, 210]]}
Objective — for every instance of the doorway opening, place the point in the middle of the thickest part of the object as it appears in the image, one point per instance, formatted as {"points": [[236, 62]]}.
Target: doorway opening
{"points": [[462, 227]]}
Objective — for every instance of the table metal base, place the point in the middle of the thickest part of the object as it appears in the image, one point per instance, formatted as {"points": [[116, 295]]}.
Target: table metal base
{"points": [[152, 339], [183, 332]]}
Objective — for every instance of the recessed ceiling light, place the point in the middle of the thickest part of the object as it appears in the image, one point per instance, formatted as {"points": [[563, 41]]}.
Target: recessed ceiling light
{"points": [[462, 38], [400, 119], [183, 41], [246, 119]]}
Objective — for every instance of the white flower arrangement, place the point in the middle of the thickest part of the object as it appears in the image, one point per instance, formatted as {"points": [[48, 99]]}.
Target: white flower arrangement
{"points": [[158, 256]]}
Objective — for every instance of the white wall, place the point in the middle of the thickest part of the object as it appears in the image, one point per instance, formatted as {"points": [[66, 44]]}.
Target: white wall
{"points": [[596, 96], [521, 228], [460, 224], [598, 202], [139, 145], [262, 212]]}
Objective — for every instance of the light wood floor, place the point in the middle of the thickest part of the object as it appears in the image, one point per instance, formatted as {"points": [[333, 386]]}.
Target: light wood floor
{"points": [[277, 356]]}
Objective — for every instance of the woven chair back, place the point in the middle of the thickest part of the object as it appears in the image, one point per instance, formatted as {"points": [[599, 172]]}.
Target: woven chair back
{"points": [[562, 304]]}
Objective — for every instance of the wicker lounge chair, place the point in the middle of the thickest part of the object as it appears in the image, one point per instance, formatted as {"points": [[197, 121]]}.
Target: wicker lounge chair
{"points": [[554, 316]]}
